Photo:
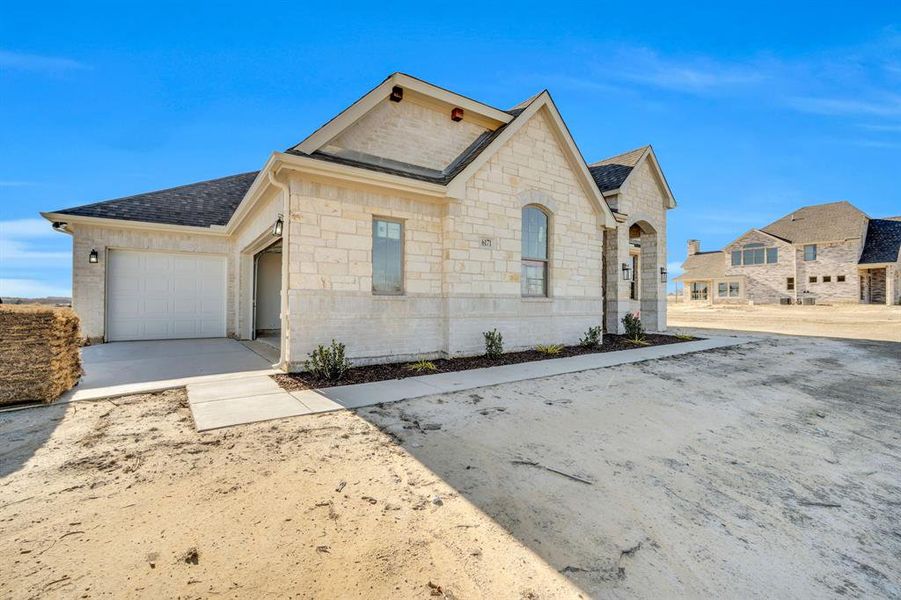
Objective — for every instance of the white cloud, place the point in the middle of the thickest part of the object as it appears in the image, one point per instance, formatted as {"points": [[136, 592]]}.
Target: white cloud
{"points": [[19, 255], [888, 106], [25, 229], [35, 62], [31, 288], [695, 74], [13, 183]]}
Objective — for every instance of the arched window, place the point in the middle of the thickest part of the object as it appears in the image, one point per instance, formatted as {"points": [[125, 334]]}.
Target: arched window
{"points": [[534, 275]]}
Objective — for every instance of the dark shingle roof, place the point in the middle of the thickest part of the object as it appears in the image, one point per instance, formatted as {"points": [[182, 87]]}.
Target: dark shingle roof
{"points": [[198, 204], [610, 173], [883, 241], [819, 223]]}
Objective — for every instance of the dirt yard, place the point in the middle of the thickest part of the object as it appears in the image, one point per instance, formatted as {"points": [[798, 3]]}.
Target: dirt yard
{"points": [[767, 470], [864, 322]]}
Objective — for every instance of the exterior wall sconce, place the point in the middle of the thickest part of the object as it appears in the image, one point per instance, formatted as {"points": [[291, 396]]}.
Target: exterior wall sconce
{"points": [[627, 272], [278, 226], [662, 274], [93, 257], [457, 114], [397, 94]]}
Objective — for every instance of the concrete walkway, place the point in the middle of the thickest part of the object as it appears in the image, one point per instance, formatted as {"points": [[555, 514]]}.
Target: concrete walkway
{"points": [[258, 398], [123, 368]]}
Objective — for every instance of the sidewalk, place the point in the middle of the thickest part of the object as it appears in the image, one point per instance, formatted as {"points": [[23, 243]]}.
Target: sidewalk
{"points": [[259, 398]]}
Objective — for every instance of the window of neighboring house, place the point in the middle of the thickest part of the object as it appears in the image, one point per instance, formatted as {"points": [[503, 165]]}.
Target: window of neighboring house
{"points": [[698, 290], [790, 283], [813, 279], [727, 289], [753, 254], [387, 257], [772, 255], [533, 281], [810, 252], [736, 258], [840, 278], [633, 285], [827, 278]]}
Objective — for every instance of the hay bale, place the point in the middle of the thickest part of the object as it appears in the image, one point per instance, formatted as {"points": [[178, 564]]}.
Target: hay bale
{"points": [[39, 352]]}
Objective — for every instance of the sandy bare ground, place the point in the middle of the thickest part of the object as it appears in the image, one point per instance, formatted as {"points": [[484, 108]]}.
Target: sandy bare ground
{"points": [[867, 322], [768, 470]]}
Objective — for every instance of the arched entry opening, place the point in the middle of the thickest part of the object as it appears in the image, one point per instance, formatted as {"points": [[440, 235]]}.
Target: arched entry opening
{"points": [[645, 287]]}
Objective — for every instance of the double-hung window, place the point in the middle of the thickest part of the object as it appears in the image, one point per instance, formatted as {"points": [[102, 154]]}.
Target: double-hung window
{"points": [[534, 276], [387, 257]]}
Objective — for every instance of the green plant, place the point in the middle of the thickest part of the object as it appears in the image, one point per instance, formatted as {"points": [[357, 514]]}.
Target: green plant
{"points": [[328, 363], [634, 328], [422, 366], [592, 337], [549, 349], [494, 343]]}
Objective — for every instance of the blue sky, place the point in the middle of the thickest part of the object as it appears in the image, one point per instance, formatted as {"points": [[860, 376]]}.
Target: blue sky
{"points": [[753, 110]]}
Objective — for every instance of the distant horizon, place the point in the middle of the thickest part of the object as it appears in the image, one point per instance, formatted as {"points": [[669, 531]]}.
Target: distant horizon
{"points": [[751, 115]]}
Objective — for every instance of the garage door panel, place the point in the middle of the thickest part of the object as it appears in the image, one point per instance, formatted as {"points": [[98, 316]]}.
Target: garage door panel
{"points": [[154, 295]]}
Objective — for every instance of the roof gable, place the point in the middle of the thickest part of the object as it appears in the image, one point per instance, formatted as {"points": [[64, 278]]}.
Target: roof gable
{"points": [[703, 265], [612, 174], [415, 90], [541, 102], [820, 223]]}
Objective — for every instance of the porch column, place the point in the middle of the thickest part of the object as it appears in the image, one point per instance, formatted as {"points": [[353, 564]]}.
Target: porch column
{"points": [[616, 252]]}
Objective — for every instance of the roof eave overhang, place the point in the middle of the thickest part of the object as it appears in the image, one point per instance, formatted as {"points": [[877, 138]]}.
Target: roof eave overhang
{"points": [[215, 230]]}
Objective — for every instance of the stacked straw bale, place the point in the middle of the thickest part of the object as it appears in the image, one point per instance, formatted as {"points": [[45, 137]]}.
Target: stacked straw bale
{"points": [[39, 353]]}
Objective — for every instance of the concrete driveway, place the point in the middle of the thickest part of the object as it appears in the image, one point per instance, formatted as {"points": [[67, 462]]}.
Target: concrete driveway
{"points": [[121, 368]]}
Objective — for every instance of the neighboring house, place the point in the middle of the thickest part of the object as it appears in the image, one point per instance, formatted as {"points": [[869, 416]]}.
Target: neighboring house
{"points": [[406, 226], [825, 253]]}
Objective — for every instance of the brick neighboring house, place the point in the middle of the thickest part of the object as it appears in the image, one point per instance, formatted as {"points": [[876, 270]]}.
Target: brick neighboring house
{"points": [[406, 226], [825, 253]]}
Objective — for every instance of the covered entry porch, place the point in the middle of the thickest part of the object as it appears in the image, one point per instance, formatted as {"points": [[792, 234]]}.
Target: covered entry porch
{"points": [[878, 284]]}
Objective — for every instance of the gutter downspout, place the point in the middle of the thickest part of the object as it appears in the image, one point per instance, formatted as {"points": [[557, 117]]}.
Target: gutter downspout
{"points": [[284, 350]]}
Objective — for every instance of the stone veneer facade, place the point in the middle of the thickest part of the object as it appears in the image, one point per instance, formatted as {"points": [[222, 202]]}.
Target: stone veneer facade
{"points": [[455, 286], [461, 260]]}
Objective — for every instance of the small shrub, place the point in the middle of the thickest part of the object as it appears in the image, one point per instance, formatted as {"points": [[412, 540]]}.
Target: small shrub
{"points": [[634, 329], [684, 336], [549, 349], [422, 366], [328, 363], [592, 337], [494, 343]]}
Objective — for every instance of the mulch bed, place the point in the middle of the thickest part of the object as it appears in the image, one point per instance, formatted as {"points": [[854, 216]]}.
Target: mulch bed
{"points": [[612, 343]]}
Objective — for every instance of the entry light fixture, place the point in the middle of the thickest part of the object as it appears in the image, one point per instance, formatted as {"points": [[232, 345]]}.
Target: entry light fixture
{"points": [[662, 274], [277, 227], [627, 272], [93, 257]]}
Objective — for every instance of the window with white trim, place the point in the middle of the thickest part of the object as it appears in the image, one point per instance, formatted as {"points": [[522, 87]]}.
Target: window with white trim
{"points": [[534, 276], [387, 257]]}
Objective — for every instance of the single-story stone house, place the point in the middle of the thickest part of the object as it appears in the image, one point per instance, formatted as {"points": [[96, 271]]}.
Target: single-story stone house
{"points": [[825, 253], [407, 225]]}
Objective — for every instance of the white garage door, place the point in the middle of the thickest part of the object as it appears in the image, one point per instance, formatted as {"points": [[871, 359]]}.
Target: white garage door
{"points": [[156, 295]]}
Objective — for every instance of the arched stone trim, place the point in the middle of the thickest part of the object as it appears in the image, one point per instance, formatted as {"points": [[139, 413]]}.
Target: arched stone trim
{"points": [[540, 199]]}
